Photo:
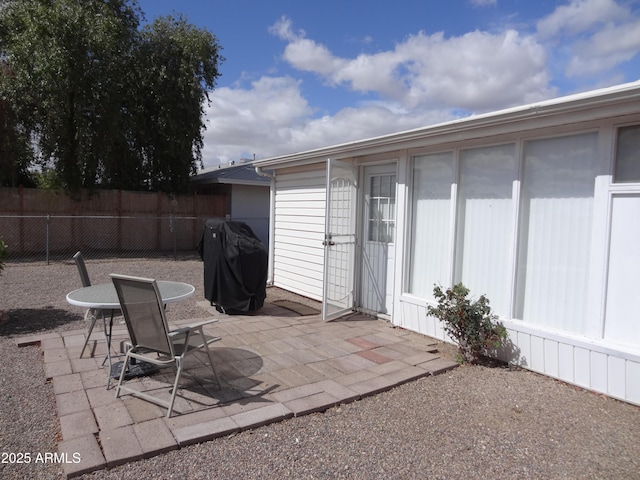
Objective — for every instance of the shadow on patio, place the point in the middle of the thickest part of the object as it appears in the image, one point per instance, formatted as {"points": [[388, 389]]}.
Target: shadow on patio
{"points": [[272, 365]]}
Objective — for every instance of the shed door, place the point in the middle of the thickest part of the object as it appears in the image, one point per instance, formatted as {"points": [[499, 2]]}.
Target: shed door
{"points": [[378, 239], [339, 240]]}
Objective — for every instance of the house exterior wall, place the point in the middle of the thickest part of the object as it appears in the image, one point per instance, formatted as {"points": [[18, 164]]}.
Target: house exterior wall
{"points": [[250, 204], [605, 356], [603, 352], [580, 361], [299, 231]]}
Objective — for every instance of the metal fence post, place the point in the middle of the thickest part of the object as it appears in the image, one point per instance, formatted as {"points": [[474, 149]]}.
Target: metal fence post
{"points": [[47, 244], [172, 221]]}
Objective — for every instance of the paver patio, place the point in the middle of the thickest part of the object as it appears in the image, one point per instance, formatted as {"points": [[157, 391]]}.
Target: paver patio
{"points": [[273, 365]]}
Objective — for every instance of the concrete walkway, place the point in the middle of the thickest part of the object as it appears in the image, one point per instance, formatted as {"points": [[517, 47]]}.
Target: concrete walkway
{"points": [[273, 365]]}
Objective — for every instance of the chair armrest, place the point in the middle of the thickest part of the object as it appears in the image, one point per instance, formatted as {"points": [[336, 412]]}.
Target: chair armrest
{"points": [[200, 324], [179, 331]]}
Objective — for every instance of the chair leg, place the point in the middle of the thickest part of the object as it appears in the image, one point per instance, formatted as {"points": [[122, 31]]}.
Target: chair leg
{"points": [[93, 322], [206, 346], [175, 386], [125, 366]]}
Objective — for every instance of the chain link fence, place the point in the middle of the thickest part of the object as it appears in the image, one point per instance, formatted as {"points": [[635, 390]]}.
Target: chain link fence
{"points": [[47, 225], [48, 238]]}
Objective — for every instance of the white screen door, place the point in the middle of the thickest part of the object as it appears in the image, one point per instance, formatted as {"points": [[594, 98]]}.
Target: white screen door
{"points": [[339, 239]]}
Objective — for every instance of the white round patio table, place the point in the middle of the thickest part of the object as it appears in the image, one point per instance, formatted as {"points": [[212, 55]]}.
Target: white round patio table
{"points": [[103, 296]]}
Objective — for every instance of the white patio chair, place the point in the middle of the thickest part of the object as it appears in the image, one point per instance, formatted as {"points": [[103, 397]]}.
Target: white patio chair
{"points": [[151, 339]]}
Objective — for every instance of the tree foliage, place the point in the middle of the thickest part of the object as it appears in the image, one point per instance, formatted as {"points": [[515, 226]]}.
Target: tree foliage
{"points": [[105, 102], [16, 153]]}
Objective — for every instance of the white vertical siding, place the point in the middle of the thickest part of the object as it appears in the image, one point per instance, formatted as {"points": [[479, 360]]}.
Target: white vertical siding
{"points": [[537, 353], [299, 231], [632, 383], [551, 357], [590, 365], [616, 373], [598, 364], [565, 370], [581, 367]]}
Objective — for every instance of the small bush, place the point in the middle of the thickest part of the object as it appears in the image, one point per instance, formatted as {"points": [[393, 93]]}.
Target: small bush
{"points": [[470, 324], [4, 253]]}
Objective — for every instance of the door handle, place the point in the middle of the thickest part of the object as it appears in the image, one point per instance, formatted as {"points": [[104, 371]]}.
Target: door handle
{"points": [[327, 241]]}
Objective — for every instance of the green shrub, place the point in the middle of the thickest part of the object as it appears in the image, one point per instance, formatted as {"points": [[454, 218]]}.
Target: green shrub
{"points": [[470, 324], [4, 253]]}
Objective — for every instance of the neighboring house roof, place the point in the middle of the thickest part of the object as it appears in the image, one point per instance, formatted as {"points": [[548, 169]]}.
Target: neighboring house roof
{"points": [[243, 174]]}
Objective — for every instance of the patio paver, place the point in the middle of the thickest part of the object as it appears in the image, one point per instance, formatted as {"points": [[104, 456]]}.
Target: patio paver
{"points": [[272, 365]]}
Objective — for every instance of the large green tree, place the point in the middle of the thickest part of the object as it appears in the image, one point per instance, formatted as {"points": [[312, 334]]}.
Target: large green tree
{"points": [[107, 103], [176, 67], [15, 152]]}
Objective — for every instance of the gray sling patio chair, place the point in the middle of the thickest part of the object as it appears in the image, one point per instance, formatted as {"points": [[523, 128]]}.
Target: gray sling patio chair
{"points": [[151, 339], [91, 314]]}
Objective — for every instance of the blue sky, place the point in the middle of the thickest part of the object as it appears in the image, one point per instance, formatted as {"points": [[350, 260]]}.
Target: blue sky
{"points": [[305, 74]]}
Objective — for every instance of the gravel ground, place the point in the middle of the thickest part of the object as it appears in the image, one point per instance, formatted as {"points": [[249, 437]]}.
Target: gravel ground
{"points": [[473, 422]]}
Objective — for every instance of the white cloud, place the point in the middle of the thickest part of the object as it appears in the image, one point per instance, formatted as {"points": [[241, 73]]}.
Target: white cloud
{"points": [[475, 71], [283, 29], [605, 50], [579, 16], [272, 118], [484, 3], [351, 124], [422, 80], [308, 56], [598, 37], [242, 122]]}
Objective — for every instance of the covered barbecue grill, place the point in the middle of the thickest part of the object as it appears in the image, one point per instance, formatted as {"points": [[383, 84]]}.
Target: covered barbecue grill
{"points": [[235, 266]]}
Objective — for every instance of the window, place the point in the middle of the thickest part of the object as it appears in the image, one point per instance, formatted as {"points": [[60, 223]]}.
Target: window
{"points": [[553, 246], [622, 323], [485, 223], [627, 168], [382, 209], [555, 231], [430, 242]]}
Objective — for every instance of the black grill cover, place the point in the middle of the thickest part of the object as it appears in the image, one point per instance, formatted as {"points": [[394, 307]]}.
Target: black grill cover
{"points": [[235, 266]]}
